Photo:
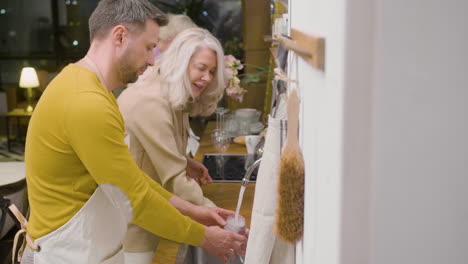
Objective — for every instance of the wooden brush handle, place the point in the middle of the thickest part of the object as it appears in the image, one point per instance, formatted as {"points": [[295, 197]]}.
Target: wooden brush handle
{"points": [[293, 119]]}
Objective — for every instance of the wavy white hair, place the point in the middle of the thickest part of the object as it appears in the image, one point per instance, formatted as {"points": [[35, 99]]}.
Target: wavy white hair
{"points": [[174, 77]]}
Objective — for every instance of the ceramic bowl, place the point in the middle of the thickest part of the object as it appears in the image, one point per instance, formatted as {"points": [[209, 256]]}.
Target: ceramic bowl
{"points": [[250, 114]]}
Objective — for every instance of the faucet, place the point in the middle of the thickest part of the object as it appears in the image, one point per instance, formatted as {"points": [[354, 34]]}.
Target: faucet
{"points": [[258, 154], [249, 172]]}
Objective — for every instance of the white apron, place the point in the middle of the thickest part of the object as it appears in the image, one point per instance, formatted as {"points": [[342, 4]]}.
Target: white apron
{"points": [[264, 246], [93, 235], [12, 173]]}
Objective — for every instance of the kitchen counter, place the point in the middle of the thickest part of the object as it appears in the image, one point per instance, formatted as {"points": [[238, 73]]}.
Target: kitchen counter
{"points": [[223, 194]]}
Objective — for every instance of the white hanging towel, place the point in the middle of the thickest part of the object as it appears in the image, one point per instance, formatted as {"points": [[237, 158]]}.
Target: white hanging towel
{"points": [[264, 246]]}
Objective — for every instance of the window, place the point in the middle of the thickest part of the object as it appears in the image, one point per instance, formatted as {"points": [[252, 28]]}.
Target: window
{"points": [[46, 34], [223, 18]]}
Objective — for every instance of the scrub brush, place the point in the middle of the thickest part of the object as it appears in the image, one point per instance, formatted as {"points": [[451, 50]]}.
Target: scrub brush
{"points": [[290, 211]]}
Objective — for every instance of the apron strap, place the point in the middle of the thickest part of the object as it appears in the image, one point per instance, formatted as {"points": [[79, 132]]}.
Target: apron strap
{"points": [[23, 231]]}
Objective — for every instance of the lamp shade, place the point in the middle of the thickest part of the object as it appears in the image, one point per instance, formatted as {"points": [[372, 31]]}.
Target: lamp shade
{"points": [[28, 78]]}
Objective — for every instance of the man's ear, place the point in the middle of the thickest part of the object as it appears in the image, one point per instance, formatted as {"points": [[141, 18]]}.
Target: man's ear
{"points": [[119, 33]]}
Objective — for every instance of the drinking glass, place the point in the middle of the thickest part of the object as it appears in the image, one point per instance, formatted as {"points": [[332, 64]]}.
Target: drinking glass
{"points": [[236, 224], [221, 141], [220, 115]]}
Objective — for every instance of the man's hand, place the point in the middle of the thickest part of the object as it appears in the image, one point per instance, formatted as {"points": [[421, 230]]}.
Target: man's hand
{"points": [[219, 242], [223, 244], [210, 216], [197, 171]]}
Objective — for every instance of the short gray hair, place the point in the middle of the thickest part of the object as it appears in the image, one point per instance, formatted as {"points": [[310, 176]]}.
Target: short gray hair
{"points": [[175, 25], [131, 13]]}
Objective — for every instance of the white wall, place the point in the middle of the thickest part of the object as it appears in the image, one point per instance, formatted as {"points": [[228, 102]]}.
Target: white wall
{"points": [[322, 122], [420, 133], [385, 132], [357, 135]]}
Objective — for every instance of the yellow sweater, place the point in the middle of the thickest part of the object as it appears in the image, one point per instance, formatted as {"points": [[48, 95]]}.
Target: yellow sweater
{"points": [[75, 142]]}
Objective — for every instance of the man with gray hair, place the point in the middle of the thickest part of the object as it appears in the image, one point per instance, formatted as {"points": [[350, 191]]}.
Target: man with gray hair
{"points": [[84, 187]]}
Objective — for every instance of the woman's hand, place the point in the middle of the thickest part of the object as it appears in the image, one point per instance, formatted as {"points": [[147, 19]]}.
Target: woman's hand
{"points": [[197, 171], [223, 244], [210, 216]]}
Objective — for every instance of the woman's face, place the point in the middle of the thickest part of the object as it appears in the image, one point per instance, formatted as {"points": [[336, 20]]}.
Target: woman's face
{"points": [[202, 69]]}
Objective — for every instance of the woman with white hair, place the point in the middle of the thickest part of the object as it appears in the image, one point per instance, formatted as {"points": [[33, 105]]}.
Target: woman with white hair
{"points": [[188, 79], [175, 25]]}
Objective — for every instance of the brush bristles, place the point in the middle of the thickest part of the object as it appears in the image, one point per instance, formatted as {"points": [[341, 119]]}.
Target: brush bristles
{"points": [[290, 212]]}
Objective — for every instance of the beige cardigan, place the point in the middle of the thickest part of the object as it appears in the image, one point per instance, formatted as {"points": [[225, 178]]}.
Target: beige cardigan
{"points": [[158, 140]]}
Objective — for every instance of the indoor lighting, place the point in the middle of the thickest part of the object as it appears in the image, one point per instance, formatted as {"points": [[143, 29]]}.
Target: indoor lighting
{"points": [[28, 81]]}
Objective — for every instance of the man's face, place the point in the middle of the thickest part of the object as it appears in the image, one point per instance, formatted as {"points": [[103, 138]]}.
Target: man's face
{"points": [[137, 55]]}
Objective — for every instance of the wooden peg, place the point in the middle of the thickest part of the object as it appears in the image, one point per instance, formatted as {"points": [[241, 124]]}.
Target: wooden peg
{"points": [[291, 45], [311, 48], [315, 45]]}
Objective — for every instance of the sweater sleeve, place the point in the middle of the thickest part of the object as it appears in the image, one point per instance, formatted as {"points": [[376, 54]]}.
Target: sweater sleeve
{"points": [[95, 130], [152, 124]]}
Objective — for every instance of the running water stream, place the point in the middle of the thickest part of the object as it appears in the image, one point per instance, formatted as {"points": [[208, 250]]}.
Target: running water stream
{"points": [[239, 201]]}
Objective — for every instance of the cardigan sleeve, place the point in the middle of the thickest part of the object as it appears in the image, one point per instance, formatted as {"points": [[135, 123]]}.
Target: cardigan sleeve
{"points": [[152, 123]]}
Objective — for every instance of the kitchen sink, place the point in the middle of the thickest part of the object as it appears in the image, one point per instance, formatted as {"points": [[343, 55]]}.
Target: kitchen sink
{"points": [[197, 255], [234, 167]]}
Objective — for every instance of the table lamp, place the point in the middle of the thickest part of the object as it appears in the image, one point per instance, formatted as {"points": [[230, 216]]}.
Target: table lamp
{"points": [[29, 80]]}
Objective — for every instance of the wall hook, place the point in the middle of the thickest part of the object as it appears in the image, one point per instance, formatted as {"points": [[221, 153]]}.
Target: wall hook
{"points": [[310, 48]]}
